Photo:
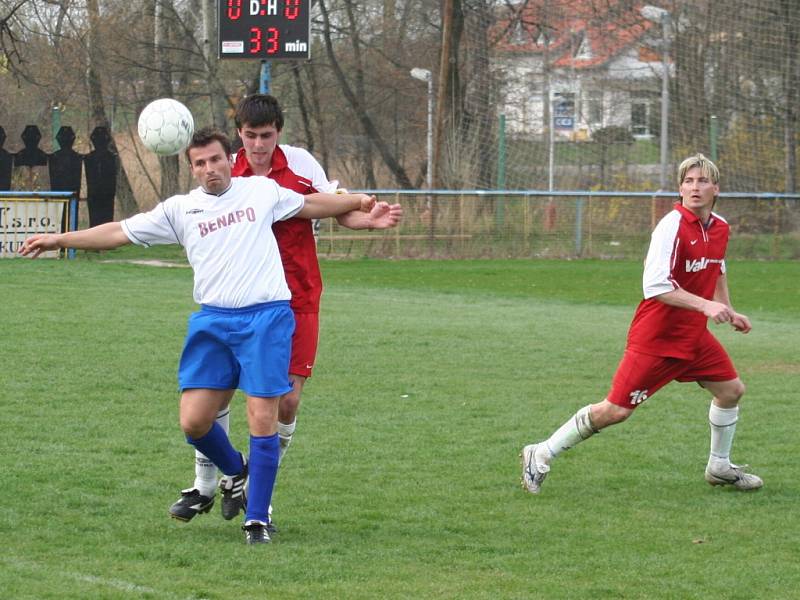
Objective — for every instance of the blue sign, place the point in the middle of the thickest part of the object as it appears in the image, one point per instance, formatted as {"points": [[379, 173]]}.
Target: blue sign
{"points": [[563, 122], [563, 113]]}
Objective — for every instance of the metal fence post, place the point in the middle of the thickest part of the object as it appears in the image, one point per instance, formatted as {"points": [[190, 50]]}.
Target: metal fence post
{"points": [[73, 222], [578, 226], [397, 229]]}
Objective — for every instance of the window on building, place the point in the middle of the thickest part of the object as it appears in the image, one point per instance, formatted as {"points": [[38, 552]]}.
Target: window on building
{"points": [[594, 108], [543, 38], [645, 115], [583, 48], [520, 34], [639, 118]]}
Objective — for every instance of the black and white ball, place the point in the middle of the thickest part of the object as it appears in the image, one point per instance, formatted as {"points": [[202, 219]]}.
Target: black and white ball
{"points": [[166, 126]]}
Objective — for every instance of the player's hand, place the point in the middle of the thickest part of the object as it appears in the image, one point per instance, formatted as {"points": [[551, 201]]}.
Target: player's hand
{"points": [[718, 312], [41, 242], [385, 216], [367, 202], [741, 323]]}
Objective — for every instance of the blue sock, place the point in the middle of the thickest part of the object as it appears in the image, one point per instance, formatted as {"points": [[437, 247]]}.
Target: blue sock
{"points": [[263, 465], [216, 446]]}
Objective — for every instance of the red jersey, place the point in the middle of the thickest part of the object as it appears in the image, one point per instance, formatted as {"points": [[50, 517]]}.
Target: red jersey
{"points": [[686, 254], [295, 169]]}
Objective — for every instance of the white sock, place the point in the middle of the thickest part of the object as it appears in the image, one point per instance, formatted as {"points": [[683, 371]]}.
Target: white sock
{"points": [[205, 472], [579, 427], [723, 426], [285, 433]]}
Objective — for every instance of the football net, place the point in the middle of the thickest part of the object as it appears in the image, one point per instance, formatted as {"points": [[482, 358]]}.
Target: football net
{"points": [[565, 94]]}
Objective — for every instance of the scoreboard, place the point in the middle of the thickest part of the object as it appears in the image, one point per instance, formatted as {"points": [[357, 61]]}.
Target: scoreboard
{"points": [[264, 29]]}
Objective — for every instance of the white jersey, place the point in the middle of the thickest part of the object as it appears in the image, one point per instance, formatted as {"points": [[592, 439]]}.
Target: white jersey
{"points": [[228, 239]]}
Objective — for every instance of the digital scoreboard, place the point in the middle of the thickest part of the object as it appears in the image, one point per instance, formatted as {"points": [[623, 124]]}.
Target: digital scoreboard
{"points": [[264, 29]]}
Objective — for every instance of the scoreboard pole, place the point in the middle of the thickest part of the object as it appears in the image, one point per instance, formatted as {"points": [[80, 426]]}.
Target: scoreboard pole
{"points": [[264, 80]]}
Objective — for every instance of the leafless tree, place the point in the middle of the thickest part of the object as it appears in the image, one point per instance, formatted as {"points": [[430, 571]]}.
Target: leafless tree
{"points": [[352, 86]]}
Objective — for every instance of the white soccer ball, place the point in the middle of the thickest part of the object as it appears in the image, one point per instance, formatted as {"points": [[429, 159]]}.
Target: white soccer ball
{"points": [[166, 126]]}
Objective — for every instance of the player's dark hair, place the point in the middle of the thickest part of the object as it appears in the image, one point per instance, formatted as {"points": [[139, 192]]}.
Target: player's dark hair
{"points": [[208, 135], [257, 110]]}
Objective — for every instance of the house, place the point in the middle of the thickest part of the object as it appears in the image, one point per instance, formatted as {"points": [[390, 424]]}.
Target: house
{"points": [[600, 62]]}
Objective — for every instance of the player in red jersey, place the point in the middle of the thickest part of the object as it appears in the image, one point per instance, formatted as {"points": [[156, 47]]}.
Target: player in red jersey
{"points": [[684, 285], [259, 121]]}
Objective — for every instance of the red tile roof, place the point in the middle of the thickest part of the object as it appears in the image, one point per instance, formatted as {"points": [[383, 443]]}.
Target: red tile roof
{"points": [[607, 26]]}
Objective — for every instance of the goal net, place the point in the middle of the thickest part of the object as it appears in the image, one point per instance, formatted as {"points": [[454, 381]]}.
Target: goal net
{"points": [[551, 94]]}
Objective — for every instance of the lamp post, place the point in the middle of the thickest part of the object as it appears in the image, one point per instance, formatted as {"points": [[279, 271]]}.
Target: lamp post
{"points": [[425, 75], [659, 15]]}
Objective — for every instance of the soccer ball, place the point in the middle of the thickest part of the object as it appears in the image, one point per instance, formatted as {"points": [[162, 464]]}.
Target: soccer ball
{"points": [[166, 126]]}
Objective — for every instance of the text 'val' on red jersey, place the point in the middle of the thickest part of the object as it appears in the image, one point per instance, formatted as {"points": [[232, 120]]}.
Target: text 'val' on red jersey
{"points": [[295, 169], [684, 253]]}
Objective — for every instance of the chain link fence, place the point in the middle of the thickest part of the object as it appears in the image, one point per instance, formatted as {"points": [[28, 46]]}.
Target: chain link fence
{"points": [[564, 224]]}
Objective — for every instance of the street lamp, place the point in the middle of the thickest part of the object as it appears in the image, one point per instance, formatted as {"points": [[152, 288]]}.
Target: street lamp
{"points": [[659, 15], [425, 75]]}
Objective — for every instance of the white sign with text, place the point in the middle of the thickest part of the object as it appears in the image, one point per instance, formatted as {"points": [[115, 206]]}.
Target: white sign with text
{"points": [[20, 219]]}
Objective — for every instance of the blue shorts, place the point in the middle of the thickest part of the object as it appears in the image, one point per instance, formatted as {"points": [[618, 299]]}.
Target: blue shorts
{"points": [[245, 348]]}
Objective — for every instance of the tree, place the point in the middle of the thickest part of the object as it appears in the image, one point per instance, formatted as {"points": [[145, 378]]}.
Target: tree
{"points": [[354, 91], [9, 39], [607, 138]]}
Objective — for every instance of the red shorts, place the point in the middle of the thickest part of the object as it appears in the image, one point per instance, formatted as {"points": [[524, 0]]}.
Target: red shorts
{"points": [[639, 376], [304, 344]]}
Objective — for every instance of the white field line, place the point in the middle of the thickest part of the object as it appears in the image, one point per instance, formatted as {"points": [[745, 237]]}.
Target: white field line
{"points": [[117, 584]]}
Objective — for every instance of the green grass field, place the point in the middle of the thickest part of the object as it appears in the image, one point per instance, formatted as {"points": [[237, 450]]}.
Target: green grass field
{"points": [[403, 479]]}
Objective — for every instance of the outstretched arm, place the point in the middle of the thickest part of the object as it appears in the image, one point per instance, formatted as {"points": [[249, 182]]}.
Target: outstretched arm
{"points": [[382, 216], [320, 206], [101, 237]]}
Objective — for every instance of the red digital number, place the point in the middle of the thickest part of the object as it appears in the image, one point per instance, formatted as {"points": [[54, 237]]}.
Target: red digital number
{"points": [[291, 10], [272, 40], [234, 9], [255, 40]]}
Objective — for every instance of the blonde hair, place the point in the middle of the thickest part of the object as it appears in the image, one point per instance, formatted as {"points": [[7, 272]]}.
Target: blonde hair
{"points": [[708, 168]]}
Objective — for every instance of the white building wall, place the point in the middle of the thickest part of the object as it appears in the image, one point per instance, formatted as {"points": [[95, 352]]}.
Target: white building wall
{"points": [[524, 92]]}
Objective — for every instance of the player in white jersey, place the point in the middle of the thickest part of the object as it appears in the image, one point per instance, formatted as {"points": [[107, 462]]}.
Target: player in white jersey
{"points": [[226, 227], [259, 123]]}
